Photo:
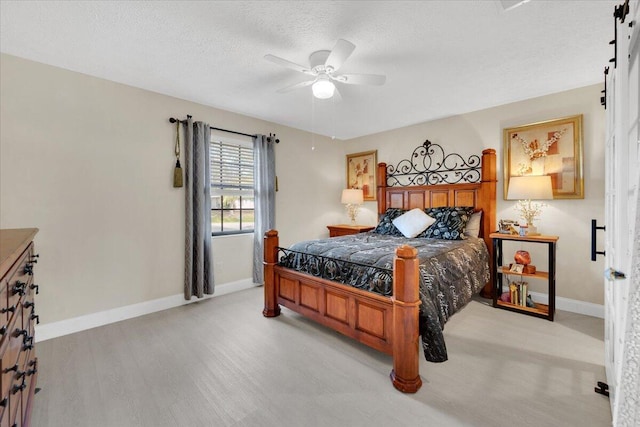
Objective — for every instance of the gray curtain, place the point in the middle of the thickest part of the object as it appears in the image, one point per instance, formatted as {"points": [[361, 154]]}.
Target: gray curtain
{"points": [[264, 178], [198, 268]]}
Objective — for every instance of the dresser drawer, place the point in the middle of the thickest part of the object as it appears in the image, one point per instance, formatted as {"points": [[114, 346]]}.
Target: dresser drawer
{"points": [[30, 377], [4, 313], [15, 409], [11, 375], [18, 363], [4, 413], [19, 280], [29, 316]]}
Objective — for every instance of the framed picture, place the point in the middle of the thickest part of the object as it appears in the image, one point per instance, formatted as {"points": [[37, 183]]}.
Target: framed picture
{"points": [[516, 268], [361, 173], [552, 147]]}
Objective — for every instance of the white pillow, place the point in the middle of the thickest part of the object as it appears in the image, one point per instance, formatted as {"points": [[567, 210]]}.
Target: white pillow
{"points": [[472, 229], [413, 222]]}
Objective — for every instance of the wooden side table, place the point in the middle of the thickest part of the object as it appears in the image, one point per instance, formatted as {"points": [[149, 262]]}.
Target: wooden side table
{"points": [[346, 229], [499, 271]]}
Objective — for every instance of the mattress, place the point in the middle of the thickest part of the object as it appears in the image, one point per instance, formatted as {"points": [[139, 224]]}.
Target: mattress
{"points": [[451, 272]]}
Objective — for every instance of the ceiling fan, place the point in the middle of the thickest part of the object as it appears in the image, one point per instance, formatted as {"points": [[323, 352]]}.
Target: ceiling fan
{"points": [[323, 67]]}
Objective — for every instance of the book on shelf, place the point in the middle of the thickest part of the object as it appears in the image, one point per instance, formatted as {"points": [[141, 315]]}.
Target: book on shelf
{"points": [[518, 292]]}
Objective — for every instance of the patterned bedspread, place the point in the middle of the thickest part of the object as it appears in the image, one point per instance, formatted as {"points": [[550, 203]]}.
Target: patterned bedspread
{"points": [[451, 272]]}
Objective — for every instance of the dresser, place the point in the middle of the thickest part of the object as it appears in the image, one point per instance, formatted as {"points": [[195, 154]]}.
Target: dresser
{"points": [[18, 363]]}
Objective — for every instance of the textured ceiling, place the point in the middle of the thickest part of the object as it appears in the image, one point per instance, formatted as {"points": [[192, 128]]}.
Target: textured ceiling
{"points": [[441, 58]]}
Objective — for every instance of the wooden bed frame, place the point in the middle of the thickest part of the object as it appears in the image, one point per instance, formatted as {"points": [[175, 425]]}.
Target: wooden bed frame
{"points": [[388, 324]]}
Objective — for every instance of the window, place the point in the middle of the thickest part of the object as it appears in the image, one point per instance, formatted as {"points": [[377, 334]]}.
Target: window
{"points": [[232, 201]]}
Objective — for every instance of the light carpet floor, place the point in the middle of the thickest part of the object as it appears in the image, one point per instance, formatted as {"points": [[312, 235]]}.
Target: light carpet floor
{"points": [[219, 362]]}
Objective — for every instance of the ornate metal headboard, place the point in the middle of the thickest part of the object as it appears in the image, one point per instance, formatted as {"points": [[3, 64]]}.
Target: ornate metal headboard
{"points": [[429, 165]]}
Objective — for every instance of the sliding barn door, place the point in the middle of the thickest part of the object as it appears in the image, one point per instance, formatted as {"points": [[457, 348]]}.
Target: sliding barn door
{"points": [[621, 198]]}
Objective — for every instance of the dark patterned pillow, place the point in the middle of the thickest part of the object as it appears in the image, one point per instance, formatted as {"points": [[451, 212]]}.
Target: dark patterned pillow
{"points": [[385, 226], [450, 223]]}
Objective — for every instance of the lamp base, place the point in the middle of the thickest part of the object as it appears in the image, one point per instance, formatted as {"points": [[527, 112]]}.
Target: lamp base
{"points": [[532, 230], [352, 211]]}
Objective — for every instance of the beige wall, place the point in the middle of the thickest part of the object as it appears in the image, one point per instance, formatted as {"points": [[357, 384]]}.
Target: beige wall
{"points": [[90, 163], [577, 277]]}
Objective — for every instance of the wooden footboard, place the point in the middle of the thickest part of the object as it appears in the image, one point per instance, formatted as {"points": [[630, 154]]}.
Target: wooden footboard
{"points": [[387, 324]]}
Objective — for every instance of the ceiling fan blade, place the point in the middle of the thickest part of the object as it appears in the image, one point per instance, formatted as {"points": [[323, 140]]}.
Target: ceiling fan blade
{"points": [[287, 64], [336, 96], [296, 86], [361, 79], [341, 51]]}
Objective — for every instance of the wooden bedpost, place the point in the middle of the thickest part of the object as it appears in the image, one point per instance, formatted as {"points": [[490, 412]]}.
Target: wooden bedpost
{"points": [[405, 375], [381, 178], [271, 307], [488, 194]]}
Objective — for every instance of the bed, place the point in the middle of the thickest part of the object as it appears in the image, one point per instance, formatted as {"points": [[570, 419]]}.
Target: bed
{"points": [[383, 304]]}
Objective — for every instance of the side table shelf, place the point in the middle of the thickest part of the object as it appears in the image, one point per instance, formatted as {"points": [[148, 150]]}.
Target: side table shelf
{"points": [[500, 271]]}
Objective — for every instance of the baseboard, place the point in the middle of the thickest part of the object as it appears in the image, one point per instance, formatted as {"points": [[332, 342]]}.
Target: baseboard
{"points": [[93, 320], [572, 305]]}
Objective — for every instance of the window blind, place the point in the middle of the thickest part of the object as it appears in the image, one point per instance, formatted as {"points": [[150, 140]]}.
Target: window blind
{"points": [[231, 169]]}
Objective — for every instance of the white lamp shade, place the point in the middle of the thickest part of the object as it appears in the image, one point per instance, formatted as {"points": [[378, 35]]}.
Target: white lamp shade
{"points": [[530, 187], [352, 196], [323, 88]]}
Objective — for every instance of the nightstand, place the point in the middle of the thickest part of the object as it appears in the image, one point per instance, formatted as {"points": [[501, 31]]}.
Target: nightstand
{"points": [[346, 229], [501, 275]]}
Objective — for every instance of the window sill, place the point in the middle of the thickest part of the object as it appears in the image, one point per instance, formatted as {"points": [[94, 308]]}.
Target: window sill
{"points": [[232, 234]]}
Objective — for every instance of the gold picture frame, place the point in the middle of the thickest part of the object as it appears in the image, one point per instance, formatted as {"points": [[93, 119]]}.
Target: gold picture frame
{"points": [[361, 173], [552, 147]]}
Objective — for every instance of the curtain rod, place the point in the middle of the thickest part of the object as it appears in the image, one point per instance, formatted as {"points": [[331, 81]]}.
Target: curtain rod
{"points": [[173, 120]]}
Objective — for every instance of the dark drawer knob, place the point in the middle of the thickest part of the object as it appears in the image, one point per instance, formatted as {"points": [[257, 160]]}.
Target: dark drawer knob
{"points": [[13, 368], [20, 374], [36, 287], [28, 269], [16, 388], [4, 402], [28, 304], [35, 317], [27, 347], [19, 332], [7, 309], [18, 288], [3, 330], [31, 372]]}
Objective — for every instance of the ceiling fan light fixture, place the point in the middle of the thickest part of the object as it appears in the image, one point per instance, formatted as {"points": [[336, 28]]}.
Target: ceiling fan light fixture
{"points": [[323, 66], [323, 88]]}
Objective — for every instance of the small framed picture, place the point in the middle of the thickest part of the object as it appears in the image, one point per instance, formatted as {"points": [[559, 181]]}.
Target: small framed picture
{"points": [[361, 173], [508, 226], [516, 268]]}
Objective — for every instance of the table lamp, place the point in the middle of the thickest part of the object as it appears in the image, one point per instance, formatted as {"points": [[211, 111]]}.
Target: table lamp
{"points": [[527, 188], [353, 198]]}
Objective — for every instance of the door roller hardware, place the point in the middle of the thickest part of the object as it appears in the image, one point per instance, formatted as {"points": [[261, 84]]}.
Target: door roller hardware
{"points": [[602, 388], [612, 274]]}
